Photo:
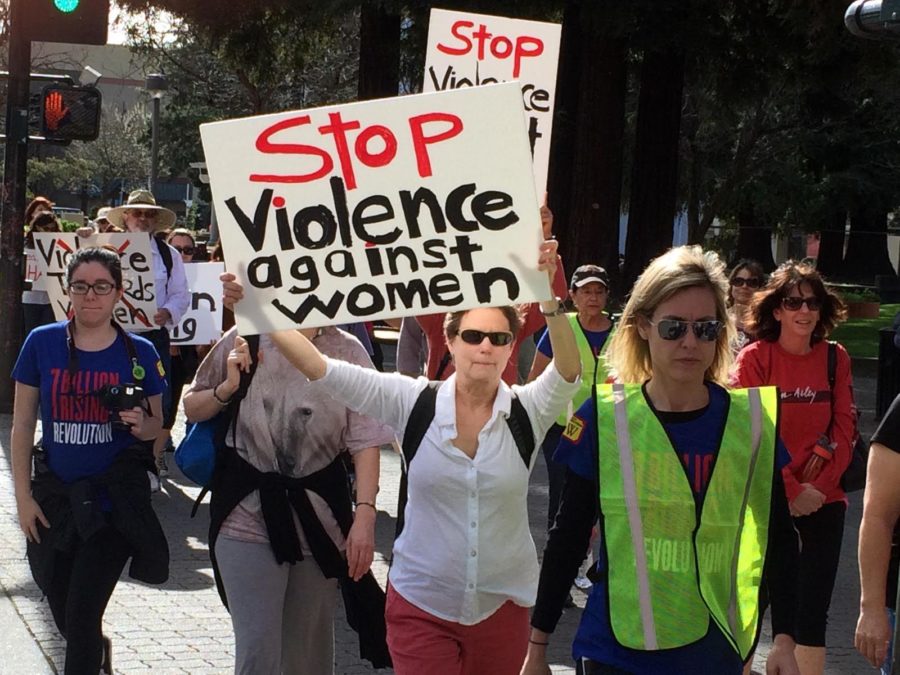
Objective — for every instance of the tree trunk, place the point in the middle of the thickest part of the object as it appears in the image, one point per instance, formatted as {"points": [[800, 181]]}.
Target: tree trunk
{"points": [[831, 243], [867, 253], [379, 52], [754, 239], [593, 171], [654, 181]]}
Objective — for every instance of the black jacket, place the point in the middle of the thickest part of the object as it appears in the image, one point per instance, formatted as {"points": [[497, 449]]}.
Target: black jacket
{"points": [[234, 479], [75, 514]]}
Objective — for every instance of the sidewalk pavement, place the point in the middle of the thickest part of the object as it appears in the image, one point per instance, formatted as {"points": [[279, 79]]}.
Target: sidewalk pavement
{"points": [[181, 626]]}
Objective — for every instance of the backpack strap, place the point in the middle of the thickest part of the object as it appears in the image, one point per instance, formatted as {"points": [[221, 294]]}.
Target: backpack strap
{"points": [[165, 253], [232, 413], [520, 427], [420, 419]]}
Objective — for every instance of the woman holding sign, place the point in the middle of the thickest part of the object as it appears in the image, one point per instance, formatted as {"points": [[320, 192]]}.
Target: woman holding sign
{"points": [[464, 568], [87, 508]]}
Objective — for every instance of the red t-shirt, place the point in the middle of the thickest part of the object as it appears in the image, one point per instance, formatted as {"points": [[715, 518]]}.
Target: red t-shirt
{"points": [[805, 411], [433, 327]]}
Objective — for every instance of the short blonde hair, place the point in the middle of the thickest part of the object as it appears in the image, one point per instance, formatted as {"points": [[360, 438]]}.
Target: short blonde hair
{"points": [[679, 268]]}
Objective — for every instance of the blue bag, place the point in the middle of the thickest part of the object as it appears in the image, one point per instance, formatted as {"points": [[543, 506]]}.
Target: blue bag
{"points": [[196, 454]]}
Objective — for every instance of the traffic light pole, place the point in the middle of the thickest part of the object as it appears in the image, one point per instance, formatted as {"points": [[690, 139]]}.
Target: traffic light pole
{"points": [[12, 202]]}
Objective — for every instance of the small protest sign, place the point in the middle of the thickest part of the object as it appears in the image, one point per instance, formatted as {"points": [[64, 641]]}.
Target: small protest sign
{"points": [[134, 312], [388, 208], [202, 323], [467, 50], [33, 272]]}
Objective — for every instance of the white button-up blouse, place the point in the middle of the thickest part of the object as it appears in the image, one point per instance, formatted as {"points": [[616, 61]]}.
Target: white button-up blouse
{"points": [[466, 547]]}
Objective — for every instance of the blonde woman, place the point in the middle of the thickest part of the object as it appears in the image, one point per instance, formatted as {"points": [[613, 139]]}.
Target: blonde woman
{"points": [[687, 478]]}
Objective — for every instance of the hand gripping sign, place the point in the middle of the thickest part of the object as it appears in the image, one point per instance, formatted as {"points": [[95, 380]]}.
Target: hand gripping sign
{"points": [[403, 206], [134, 312], [467, 50]]}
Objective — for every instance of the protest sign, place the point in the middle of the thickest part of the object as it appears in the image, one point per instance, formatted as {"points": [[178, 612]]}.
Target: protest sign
{"points": [[202, 323], [135, 310], [389, 208], [33, 273], [467, 50]]}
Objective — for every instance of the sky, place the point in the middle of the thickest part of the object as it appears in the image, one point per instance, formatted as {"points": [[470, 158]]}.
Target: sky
{"points": [[117, 21]]}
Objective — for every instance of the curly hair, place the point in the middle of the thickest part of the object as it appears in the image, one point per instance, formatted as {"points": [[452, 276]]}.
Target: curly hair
{"points": [[761, 320], [680, 268], [752, 266]]}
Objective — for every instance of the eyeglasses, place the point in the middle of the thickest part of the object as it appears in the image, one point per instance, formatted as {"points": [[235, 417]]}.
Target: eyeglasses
{"points": [[475, 337], [792, 303], [675, 329], [751, 282], [187, 250], [99, 287], [149, 214]]}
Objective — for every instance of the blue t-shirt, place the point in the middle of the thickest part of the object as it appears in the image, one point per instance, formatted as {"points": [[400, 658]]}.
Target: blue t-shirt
{"points": [[595, 338], [77, 434], [695, 439]]}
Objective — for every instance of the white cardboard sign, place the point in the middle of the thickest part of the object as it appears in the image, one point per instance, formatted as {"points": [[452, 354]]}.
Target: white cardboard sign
{"points": [[33, 273], [468, 50], [134, 312], [388, 208], [202, 323]]}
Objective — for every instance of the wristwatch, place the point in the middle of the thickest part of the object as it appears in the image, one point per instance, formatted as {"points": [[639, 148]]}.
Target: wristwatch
{"points": [[560, 309]]}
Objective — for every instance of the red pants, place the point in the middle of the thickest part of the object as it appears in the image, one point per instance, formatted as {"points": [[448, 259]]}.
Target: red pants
{"points": [[422, 643]]}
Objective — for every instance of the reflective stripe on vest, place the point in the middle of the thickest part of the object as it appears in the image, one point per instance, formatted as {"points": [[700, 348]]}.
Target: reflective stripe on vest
{"points": [[667, 573], [593, 370]]}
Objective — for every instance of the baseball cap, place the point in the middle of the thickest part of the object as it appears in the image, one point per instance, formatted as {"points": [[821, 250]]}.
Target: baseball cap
{"points": [[587, 274]]}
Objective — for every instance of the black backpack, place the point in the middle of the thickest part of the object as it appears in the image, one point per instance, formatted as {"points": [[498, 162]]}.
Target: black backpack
{"points": [[420, 419], [165, 253]]}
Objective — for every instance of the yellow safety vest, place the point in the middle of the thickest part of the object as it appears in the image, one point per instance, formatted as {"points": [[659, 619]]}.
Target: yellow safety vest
{"points": [[593, 370], [668, 574]]}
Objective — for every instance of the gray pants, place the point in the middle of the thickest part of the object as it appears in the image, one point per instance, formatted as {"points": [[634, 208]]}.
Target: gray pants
{"points": [[283, 615]]}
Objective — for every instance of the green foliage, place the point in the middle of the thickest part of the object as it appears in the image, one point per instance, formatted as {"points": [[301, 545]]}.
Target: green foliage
{"points": [[860, 336], [275, 59]]}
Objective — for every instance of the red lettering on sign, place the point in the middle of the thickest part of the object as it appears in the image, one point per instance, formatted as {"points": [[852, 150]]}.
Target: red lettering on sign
{"points": [[501, 47]]}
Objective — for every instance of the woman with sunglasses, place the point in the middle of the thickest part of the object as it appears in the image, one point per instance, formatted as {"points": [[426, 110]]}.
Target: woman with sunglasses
{"points": [[746, 278], [464, 567], [791, 318], [685, 477], [87, 508]]}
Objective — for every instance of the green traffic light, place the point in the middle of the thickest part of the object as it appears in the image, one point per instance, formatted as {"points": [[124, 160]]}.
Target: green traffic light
{"points": [[66, 5]]}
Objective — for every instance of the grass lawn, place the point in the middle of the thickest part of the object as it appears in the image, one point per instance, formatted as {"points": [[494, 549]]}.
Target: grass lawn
{"points": [[860, 336]]}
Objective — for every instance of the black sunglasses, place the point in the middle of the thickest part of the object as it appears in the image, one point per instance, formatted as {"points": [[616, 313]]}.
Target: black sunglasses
{"points": [[752, 282], [475, 337], [675, 329], [187, 250], [792, 303]]}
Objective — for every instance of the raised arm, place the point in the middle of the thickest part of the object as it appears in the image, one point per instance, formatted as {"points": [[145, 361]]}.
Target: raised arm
{"points": [[301, 352], [565, 350]]}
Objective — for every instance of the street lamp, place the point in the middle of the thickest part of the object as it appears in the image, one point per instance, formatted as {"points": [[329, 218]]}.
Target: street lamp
{"points": [[155, 85]]}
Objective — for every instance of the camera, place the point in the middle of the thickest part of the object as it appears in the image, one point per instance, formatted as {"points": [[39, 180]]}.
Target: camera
{"points": [[118, 397]]}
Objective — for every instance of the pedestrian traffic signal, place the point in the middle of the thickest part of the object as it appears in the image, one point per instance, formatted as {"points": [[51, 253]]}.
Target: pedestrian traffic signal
{"points": [[70, 113], [77, 21]]}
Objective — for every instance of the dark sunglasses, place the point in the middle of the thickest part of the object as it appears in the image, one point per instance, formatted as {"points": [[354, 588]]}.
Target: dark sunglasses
{"points": [[99, 287], [149, 214], [475, 337], [752, 282], [675, 329], [792, 303], [187, 250]]}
